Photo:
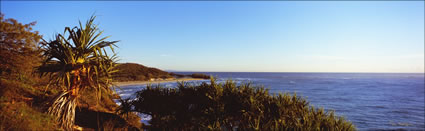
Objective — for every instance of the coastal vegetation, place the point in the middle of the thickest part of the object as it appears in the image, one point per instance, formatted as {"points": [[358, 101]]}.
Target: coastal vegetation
{"points": [[228, 106], [75, 61], [18, 48], [20, 94], [200, 75], [25, 97], [67, 81], [138, 72]]}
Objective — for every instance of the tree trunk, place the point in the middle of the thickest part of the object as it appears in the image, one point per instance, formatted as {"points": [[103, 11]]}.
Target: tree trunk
{"points": [[63, 109]]}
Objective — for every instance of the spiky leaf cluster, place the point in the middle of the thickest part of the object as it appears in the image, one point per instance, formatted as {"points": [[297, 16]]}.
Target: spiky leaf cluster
{"points": [[79, 52], [77, 60], [228, 106]]}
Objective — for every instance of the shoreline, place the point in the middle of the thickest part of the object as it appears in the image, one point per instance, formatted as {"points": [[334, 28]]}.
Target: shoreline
{"points": [[128, 83]]}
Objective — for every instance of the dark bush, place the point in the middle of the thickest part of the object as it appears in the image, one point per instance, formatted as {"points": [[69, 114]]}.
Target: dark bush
{"points": [[199, 75], [177, 75], [227, 106]]}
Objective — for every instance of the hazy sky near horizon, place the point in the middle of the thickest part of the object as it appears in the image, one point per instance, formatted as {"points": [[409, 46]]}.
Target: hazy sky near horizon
{"points": [[248, 36]]}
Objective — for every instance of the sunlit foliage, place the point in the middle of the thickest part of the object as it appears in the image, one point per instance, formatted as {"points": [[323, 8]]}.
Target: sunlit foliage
{"points": [[77, 60], [18, 48]]}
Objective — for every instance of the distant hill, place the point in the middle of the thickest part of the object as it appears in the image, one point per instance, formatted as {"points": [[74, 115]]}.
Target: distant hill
{"points": [[138, 72]]}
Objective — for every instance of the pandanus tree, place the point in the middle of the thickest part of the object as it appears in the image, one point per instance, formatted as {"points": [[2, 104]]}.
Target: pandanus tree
{"points": [[77, 60]]}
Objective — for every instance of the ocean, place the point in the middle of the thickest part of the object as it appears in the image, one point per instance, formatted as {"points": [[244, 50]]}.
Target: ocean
{"points": [[372, 101]]}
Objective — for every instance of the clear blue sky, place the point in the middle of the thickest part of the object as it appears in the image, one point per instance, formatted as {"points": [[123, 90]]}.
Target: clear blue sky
{"points": [[348, 36]]}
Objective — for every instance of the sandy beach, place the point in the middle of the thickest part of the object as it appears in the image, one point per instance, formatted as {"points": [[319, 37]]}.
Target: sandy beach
{"points": [[127, 83]]}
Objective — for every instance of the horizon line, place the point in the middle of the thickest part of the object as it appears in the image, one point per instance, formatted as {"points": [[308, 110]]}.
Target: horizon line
{"points": [[291, 72], [171, 70]]}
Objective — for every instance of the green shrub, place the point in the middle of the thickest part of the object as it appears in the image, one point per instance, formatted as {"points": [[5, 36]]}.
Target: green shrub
{"points": [[223, 106]]}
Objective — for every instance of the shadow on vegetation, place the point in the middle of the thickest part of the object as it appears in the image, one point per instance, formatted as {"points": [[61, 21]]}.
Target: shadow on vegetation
{"points": [[96, 120], [229, 106]]}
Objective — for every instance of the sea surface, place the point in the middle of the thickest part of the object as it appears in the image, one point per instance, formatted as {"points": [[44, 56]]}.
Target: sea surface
{"points": [[372, 101]]}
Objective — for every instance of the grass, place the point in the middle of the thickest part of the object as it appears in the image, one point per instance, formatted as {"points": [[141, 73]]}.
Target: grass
{"points": [[20, 116], [23, 106]]}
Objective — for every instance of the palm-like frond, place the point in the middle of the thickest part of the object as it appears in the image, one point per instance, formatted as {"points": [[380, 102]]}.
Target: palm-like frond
{"points": [[78, 59], [79, 48]]}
